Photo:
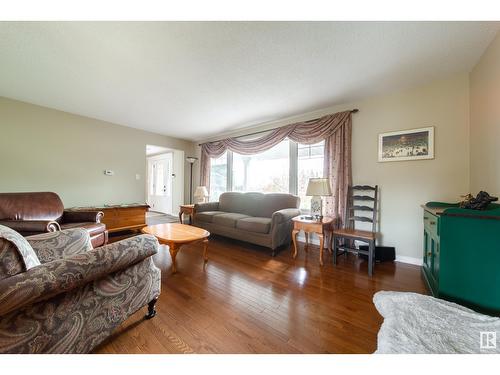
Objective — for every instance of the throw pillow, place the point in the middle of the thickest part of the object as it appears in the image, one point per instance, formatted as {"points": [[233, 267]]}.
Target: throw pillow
{"points": [[23, 247]]}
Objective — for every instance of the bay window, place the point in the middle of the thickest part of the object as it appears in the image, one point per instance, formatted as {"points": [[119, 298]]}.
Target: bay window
{"points": [[267, 172], [309, 165], [285, 168], [218, 176]]}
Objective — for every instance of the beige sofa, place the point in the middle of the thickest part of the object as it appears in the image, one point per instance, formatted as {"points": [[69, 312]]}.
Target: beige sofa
{"points": [[262, 219]]}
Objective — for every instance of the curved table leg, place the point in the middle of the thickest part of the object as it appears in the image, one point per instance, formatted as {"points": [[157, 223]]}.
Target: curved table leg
{"points": [[329, 242], [321, 242], [174, 249], [295, 232], [205, 250]]}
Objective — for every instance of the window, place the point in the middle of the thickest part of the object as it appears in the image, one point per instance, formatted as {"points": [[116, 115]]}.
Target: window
{"points": [[285, 168], [218, 176], [267, 172], [309, 165]]}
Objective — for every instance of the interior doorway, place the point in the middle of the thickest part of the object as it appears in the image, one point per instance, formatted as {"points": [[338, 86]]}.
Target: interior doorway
{"points": [[165, 179], [160, 183]]}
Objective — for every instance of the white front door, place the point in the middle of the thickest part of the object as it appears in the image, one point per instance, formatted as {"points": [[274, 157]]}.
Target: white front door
{"points": [[160, 183]]}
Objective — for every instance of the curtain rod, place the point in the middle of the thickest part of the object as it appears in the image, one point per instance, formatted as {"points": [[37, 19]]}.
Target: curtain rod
{"points": [[263, 131]]}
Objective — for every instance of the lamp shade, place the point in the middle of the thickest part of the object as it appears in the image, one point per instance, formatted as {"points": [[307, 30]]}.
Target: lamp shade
{"points": [[318, 187], [191, 159], [201, 192]]}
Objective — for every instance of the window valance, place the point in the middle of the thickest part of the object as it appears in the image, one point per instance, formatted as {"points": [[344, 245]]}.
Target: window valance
{"points": [[335, 129]]}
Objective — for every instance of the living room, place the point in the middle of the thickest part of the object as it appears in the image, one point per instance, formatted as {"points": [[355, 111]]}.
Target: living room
{"points": [[249, 187]]}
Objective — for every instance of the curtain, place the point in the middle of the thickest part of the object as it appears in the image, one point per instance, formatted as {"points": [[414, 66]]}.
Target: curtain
{"points": [[337, 166], [335, 129]]}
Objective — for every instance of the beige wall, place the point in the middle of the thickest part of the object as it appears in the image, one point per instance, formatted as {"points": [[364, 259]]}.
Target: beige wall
{"points": [[405, 185], [485, 122], [42, 149], [45, 149]]}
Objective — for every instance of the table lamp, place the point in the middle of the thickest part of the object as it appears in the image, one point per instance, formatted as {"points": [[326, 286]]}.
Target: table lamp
{"points": [[317, 188], [201, 194]]}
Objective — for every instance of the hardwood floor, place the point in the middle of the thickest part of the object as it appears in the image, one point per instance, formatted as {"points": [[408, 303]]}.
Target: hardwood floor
{"points": [[245, 301]]}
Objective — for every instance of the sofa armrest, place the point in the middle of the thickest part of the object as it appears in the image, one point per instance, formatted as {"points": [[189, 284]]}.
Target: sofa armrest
{"points": [[50, 279], [210, 206], [82, 216], [284, 215], [32, 226], [281, 226], [62, 244]]}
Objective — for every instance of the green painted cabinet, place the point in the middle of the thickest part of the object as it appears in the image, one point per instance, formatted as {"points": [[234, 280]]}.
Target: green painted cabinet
{"points": [[461, 254]]}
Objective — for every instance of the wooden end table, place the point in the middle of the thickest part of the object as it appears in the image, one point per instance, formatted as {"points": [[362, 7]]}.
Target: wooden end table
{"points": [[187, 209], [322, 228], [120, 217], [175, 235]]}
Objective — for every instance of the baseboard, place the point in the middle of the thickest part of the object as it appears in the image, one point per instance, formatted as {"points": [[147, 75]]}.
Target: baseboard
{"points": [[399, 258], [409, 260]]}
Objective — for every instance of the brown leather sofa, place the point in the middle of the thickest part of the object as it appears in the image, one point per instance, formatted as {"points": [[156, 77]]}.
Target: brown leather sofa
{"points": [[41, 212], [262, 219]]}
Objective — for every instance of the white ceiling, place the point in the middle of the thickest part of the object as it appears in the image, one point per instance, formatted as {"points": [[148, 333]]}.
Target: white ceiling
{"points": [[195, 79]]}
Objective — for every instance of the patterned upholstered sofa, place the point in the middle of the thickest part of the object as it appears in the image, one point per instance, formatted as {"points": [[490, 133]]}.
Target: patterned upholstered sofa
{"points": [[262, 219], [59, 295]]}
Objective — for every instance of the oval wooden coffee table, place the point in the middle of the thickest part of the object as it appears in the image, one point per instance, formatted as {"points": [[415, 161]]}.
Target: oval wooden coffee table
{"points": [[175, 235]]}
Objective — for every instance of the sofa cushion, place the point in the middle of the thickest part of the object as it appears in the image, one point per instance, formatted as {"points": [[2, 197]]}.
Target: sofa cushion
{"points": [[257, 204], [255, 224], [228, 219], [61, 244], [93, 228], [24, 249], [207, 216]]}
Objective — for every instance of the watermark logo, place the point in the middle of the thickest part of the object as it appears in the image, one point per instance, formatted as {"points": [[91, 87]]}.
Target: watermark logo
{"points": [[488, 340]]}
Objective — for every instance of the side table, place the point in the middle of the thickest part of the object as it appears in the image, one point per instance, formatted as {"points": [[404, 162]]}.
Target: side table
{"points": [[321, 228], [187, 209]]}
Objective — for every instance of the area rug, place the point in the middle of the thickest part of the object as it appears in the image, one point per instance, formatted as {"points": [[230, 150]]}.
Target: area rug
{"points": [[415, 323]]}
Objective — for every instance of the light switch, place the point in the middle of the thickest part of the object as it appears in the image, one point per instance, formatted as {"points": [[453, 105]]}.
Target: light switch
{"points": [[137, 176], [108, 172]]}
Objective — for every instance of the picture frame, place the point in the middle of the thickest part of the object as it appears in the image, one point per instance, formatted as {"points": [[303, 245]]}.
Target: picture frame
{"points": [[404, 145]]}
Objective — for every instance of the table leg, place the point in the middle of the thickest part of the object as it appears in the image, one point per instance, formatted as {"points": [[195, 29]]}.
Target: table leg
{"points": [[295, 232], [174, 249], [321, 242], [306, 234], [205, 250], [180, 217]]}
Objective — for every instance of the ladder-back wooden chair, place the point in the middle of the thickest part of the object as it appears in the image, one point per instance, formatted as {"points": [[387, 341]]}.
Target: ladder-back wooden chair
{"points": [[358, 205]]}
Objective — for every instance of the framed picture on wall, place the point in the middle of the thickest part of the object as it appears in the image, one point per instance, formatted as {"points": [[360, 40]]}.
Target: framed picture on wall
{"points": [[413, 144]]}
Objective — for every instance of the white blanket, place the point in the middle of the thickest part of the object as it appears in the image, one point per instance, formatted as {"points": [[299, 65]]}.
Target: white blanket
{"points": [[414, 323]]}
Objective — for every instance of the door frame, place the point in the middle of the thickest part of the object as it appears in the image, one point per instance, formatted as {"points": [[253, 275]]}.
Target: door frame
{"points": [[150, 159]]}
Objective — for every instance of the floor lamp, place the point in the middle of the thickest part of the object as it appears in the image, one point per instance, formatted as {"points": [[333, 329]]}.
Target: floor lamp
{"points": [[191, 161]]}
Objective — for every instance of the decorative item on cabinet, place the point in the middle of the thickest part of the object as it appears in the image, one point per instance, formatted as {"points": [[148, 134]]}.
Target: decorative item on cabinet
{"points": [[482, 200], [461, 254]]}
